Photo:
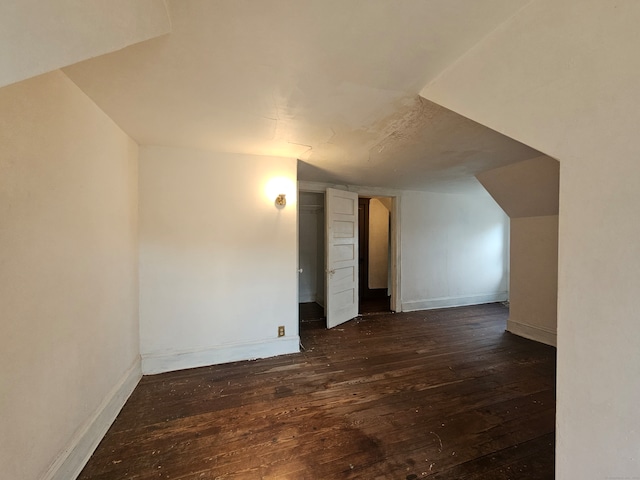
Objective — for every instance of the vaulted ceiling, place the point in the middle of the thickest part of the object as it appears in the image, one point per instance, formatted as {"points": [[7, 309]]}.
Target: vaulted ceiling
{"points": [[333, 83]]}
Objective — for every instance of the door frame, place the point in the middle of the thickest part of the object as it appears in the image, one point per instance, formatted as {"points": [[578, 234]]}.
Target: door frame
{"points": [[396, 230], [363, 246]]}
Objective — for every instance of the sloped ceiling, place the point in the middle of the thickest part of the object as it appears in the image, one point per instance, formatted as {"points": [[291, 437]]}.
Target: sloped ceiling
{"points": [[525, 189], [37, 37], [333, 83]]}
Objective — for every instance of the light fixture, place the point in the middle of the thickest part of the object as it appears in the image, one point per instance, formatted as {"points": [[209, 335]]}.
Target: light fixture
{"points": [[277, 189], [281, 200]]}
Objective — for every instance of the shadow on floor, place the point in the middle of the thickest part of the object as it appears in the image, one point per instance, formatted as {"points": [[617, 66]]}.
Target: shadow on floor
{"points": [[313, 312]]}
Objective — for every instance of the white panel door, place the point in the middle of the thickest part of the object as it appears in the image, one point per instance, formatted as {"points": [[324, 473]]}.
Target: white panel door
{"points": [[341, 214]]}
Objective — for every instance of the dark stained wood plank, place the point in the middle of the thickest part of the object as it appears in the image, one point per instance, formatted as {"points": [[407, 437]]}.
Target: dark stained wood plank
{"points": [[442, 394]]}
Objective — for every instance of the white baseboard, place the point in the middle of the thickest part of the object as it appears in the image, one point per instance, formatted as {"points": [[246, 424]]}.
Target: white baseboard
{"points": [[75, 456], [168, 362], [447, 302], [539, 334]]}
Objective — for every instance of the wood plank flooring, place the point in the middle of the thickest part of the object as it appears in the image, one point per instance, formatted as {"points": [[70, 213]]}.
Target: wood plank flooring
{"points": [[440, 394]]}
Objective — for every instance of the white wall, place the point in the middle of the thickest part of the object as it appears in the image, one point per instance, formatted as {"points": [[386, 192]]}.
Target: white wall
{"points": [[218, 260], [308, 245], [68, 276], [564, 77], [528, 192], [533, 288], [320, 257], [311, 247], [378, 244], [454, 250]]}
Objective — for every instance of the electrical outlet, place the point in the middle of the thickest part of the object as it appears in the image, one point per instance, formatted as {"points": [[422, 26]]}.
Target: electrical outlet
{"points": [[281, 331]]}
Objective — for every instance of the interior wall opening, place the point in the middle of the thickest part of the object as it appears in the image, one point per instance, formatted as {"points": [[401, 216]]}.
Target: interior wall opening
{"points": [[311, 256], [375, 255]]}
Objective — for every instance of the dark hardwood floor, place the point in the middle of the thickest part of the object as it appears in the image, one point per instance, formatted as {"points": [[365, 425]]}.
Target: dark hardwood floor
{"points": [[440, 394], [374, 305], [312, 311]]}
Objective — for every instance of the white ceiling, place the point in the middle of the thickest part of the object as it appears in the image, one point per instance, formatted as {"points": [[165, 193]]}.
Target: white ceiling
{"points": [[333, 83]]}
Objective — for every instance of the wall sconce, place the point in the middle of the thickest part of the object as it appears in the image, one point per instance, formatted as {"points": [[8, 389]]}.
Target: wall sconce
{"points": [[277, 189], [281, 200]]}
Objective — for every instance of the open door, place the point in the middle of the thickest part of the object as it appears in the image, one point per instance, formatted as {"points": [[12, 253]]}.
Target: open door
{"points": [[341, 217]]}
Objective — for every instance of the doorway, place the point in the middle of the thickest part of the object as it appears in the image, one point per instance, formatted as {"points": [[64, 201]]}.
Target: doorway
{"points": [[374, 222], [379, 286], [311, 252]]}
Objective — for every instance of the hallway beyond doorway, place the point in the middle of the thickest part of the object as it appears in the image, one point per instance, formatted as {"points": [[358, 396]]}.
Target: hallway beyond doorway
{"points": [[369, 306]]}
